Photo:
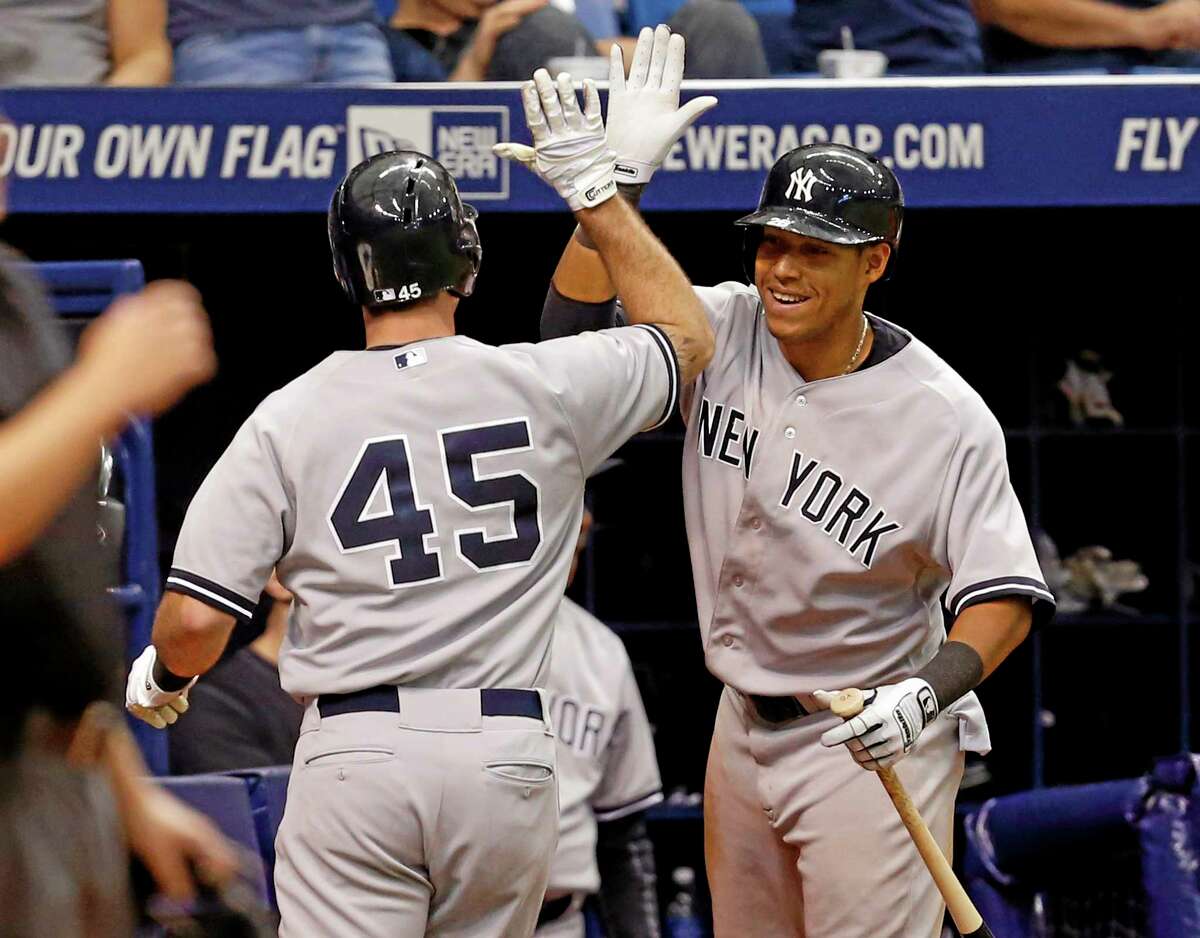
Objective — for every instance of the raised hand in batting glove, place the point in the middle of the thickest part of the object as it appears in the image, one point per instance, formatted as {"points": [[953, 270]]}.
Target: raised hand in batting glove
{"points": [[146, 700], [570, 150], [644, 116], [888, 726]]}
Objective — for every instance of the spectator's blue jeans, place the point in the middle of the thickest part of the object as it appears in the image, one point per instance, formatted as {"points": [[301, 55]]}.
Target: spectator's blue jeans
{"points": [[354, 53]]}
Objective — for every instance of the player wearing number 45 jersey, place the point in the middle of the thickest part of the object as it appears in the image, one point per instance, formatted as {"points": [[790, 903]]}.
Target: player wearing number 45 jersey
{"points": [[421, 500], [839, 480]]}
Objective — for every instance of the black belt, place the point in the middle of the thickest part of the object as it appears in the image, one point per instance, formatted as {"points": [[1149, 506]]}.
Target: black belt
{"points": [[778, 709], [493, 702], [554, 909]]}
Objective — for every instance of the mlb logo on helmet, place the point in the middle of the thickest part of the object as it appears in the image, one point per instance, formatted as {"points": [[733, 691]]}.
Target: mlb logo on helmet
{"points": [[460, 138]]}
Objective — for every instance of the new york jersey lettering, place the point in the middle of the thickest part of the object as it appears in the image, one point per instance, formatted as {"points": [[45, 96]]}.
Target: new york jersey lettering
{"points": [[824, 497], [726, 437]]}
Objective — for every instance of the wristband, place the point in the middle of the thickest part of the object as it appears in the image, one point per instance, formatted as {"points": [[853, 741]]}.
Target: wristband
{"points": [[167, 680], [954, 671]]}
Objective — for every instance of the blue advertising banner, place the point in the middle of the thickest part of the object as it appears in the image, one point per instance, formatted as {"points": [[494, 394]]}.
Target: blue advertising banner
{"points": [[953, 142]]}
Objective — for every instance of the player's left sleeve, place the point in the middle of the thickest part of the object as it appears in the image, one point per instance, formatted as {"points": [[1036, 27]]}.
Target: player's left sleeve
{"points": [[234, 530], [610, 385], [630, 782], [987, 544]]}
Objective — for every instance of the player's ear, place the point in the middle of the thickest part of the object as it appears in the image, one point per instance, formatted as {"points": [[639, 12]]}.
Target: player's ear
{"points": [[875, 260]]}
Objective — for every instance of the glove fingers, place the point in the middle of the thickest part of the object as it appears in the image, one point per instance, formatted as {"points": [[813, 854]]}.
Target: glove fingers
{"points": [[844, 733], [673, 71], [167, 714], [641, 59], [179, 704], [658, 56], [551, 105], [534, 118], [688, 114], [684, 118], [591, 106], [616, 69], [570, 104], [873, 737], [854, 728], [515, 151]]}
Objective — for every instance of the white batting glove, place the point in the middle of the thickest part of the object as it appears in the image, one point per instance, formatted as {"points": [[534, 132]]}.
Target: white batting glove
{"points": [[888, 726], [644, 116], [146, 700], [570, 150]]}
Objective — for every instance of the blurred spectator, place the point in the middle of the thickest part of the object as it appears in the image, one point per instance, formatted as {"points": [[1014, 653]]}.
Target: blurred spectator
{"points": [[277, 42], [477, 40], [722, 40], [240, 717], [73, 792], [84, 42], [919, 37], [1053, 35]]}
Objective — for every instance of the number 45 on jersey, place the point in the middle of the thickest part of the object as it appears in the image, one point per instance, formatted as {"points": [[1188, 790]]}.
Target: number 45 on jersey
{"points": [[382, 474]]}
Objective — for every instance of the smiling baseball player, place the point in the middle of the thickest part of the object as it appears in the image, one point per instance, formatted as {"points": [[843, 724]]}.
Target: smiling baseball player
{"points": [[421, 500], [839, 480]]}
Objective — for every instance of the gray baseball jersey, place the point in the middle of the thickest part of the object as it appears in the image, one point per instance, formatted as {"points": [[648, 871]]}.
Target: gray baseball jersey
{"points": [[826, 519], [421, 502], [607, 768]]}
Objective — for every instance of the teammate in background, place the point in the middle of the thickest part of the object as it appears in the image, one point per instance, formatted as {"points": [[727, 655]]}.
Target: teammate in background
{"points": [[839, 478], [607, 778], [421, 500]]}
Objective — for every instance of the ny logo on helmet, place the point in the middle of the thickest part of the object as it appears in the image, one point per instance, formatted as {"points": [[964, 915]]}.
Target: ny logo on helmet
{"points": [[800, 186]]}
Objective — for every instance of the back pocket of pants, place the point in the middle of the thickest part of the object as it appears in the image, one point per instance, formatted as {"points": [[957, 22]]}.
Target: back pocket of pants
{"points": [[520, 771], [349, 755]]}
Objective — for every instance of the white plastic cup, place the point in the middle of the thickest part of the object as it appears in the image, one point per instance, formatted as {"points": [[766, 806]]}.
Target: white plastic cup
{"points": [[851, 63], [579, 67]]}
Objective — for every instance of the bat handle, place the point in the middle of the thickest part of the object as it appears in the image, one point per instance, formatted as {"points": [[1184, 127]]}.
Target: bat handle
{"points": [[968, 921]]}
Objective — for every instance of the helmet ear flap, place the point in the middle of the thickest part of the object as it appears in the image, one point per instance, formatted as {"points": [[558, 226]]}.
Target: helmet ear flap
{"points": [[751, 239], [468, 245]]}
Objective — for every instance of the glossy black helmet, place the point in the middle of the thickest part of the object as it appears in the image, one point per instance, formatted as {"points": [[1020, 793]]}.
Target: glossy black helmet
{"points": [[399, 231], [830, 192]]}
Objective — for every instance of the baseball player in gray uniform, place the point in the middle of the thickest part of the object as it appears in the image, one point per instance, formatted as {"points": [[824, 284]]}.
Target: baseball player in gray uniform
{"points": [[840, 479], [421, 500], [607, 778]]}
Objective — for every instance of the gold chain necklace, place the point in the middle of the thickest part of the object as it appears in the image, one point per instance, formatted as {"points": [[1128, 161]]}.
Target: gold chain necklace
{"points": [[858, 348]]}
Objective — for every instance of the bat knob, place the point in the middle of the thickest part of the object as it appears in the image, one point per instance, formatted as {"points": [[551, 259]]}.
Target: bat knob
{"points": [[848, 703]]}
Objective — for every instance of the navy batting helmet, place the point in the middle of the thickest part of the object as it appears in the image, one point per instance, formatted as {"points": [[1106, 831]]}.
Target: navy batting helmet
{"points": [[399, 231], [830, 192]]}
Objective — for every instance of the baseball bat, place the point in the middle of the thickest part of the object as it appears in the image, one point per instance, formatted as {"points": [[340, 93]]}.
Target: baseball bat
{"points": [[967, 920]]}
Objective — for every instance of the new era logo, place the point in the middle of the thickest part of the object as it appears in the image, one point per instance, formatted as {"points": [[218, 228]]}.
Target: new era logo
{"points": [[460, 137], [800, 185]]}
